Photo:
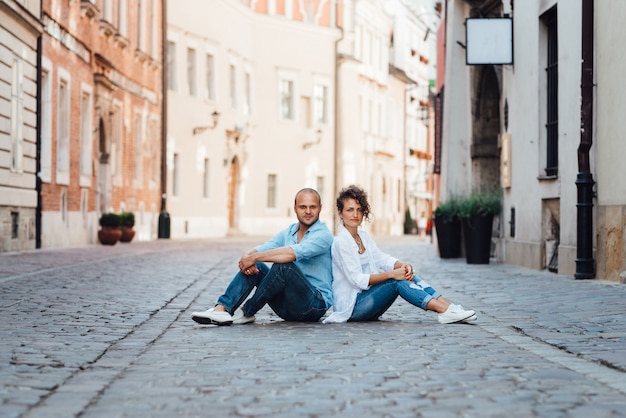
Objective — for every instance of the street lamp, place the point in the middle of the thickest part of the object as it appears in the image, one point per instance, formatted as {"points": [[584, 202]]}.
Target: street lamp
{"points": [[310, 144], [215, 116]]}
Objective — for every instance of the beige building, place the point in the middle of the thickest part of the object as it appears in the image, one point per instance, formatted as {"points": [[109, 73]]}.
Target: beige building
{"points": [[19, 30], [267, 97], [269, 74]]}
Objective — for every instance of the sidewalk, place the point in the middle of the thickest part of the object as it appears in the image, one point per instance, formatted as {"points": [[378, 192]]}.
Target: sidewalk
{"points": [[106, 331]]}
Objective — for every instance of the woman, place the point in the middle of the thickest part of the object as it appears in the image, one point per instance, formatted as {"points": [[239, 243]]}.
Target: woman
{"points": [[366, 281]]}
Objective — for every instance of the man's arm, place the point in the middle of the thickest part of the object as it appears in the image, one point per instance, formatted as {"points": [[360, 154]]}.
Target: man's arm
{"points": [[277, 255]]}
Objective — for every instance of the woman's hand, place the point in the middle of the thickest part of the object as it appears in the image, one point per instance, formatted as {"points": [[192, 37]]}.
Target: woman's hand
{"points": [[399, 274]]}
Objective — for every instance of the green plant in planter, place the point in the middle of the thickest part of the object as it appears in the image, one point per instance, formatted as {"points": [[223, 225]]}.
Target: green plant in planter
{"points": [[477, 212], [109, 219], [480, 204], [110, 232], [448, 228], [448, 211], [127, 219], [410, 225]]}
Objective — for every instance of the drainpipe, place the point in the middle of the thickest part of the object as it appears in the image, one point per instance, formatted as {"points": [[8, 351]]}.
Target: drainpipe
{"points": [[585, 263], [337, 149], [164, 217], [38, 182]]}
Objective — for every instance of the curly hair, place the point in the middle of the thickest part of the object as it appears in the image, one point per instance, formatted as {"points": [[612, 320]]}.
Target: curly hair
{"points": [[356, 193]]}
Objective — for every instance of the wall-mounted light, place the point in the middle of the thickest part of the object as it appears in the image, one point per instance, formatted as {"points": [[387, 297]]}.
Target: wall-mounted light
{"points": [[310, 144], [215, 117]]}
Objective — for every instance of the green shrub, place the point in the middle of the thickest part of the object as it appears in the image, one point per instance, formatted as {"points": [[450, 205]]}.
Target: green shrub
{"points": [[481, 204], [110, 220], [127, 219], [448, 210]]}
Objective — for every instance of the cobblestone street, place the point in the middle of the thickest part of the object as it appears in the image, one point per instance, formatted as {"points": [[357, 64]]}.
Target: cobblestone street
{"points": [[107, 332]]}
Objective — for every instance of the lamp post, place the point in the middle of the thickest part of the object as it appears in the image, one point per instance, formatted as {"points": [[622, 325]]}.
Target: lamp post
{"points": [[215, 117]]}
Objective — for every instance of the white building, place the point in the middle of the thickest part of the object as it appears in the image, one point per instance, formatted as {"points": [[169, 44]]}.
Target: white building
{"points": [[519, 126], [270, 76], [271, 70], [19, 29]]}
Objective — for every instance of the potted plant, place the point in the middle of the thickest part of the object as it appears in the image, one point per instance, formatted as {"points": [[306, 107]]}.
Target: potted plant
{"points": [[477, 212], [127, 222], [109, 232], [448, 228], [410, 225]]}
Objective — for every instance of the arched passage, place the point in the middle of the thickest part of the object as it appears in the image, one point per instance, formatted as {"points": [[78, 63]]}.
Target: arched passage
{"points": [[485, 152]]}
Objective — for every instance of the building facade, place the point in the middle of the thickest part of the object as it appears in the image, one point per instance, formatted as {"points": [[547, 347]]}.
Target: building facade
{"points": [[267, 97], [267, 75], [100, 117], [529, 127], [20, 29]]}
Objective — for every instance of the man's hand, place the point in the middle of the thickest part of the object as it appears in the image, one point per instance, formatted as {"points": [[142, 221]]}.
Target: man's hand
{"points": [[247, 264]]}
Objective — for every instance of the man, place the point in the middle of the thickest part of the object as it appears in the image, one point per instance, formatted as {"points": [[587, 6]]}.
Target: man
{"points": [[298, 286]]}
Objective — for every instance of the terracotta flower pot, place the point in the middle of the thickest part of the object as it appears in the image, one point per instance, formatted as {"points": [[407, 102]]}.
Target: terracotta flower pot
{"points": [[127, 234], [109, 236]]}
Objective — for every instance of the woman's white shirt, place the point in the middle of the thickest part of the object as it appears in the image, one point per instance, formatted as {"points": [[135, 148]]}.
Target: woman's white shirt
{"points": [[351, 271]]}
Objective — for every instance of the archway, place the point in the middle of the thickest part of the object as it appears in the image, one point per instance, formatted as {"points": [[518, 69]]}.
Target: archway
{"points": [[485, 152]]}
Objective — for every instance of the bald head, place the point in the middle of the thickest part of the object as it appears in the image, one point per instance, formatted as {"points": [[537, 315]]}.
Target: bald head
{"points": [[308, 190]]}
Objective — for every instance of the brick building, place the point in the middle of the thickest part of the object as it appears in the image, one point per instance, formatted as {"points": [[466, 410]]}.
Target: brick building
{"points": [[101, 101]]}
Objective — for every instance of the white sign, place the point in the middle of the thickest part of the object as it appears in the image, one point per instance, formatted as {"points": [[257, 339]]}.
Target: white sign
{"points": [[489, 40]]}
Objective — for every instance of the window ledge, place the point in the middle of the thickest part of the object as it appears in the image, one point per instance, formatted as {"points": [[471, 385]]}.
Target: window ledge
{"points": [[106, 28], [88, 9], [121, 40], [547, 178], [141, 56]]}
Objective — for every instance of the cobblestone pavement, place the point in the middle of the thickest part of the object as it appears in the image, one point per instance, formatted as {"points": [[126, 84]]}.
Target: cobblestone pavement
{"points": [[107, 332]]}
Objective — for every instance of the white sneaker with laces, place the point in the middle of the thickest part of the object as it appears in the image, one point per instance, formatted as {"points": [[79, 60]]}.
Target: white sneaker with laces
{"points": [[461, 308], [454, 314], [212, 317], [239, 319]]}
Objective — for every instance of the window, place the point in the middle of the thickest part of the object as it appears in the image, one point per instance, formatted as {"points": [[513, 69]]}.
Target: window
{"points": [[86, 147], [210, 77], [233, 86], [107, 10], [155, 161], [247, 105], [46, 122], [17, 106], [137, 151], [171, 66], [271, 191], [116, 141], [321, 104], [286, 99], [155, 30], [552, 89], [141, 26], [205, 179], [191, 71], [63, 129], [122, 20], [175, 175], [320, 186]]}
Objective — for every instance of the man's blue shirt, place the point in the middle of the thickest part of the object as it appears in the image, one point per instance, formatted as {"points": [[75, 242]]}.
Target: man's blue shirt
{"points": [[312, 254]]}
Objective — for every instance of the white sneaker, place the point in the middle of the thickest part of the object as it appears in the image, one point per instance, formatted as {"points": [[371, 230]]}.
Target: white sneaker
{"points": [[461, 308], [239, 319], [212, 317], [454, 314]]}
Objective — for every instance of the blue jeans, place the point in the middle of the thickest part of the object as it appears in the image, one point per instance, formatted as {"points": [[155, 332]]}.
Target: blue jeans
{"points": [[283, 287], [373, 302]]}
